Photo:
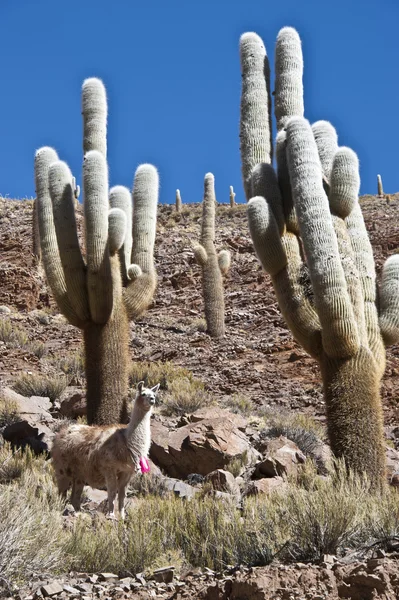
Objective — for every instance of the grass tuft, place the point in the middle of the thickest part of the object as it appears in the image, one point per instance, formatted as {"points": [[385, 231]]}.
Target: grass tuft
{"points": [[41, 385]]}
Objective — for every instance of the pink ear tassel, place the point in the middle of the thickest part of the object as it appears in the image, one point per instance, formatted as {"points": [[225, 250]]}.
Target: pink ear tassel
{"points": [[144, 466]]}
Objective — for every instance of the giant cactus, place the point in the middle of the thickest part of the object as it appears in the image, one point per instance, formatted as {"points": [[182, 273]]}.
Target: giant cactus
{"points": [[214, 266], [116, 279], [306, 223]]}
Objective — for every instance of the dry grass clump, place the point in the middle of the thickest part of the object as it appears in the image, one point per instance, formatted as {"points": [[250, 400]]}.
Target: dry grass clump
{"points": [[13, 335], [9, 413], [49, 386], [13, 463], [238, 403], [38, 349], [32, 539], [183, 393], [150, 484], [72, 364]]}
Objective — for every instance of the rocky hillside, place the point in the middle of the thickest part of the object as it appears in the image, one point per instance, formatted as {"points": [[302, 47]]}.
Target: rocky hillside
{"points": [[258, 361]]}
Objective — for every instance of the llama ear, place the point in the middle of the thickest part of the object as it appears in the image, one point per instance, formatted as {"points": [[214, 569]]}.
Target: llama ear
{"points": [[155, 388], [140, 386]]}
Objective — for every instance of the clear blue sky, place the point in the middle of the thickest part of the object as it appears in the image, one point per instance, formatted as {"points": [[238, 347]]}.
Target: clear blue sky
{"points": [[172, 73]]}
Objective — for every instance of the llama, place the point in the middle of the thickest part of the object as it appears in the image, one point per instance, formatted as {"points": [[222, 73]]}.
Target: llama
{"points": [[104, 456]]}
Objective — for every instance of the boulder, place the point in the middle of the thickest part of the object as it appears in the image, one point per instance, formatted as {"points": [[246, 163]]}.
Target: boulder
{"points": [[73, 404], [266, 486], [282, 458], [34, 409], [200, 447], [223, 481], [22, 434]]}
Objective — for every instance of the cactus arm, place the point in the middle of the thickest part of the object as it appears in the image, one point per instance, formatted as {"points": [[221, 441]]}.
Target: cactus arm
{"points": [[208, 211], [327, 144], [232, 196], [333, 305], [281, 258], [200, 254], [255, 122], [380, 189], [283, 177], [120, 197], [116, 229], [364, 261], [50, 253], [224, 261], [62, 196], [95, 180], [140, 291], [344, 182], [289, 71], [265, 184], [389, 301], [94, 110], [178, 203]]}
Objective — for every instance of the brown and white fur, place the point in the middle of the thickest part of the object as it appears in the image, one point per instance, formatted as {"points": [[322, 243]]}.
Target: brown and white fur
{"points": [[104, 456]]}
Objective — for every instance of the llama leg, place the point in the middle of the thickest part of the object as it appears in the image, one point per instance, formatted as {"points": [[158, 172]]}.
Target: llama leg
{"points": [[123, 480], [77, 489], [63, 484], [112, 486]]}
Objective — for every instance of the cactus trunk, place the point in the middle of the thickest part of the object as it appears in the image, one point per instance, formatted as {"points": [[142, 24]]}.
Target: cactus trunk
{"points": [[354, 413], [106, 356]]}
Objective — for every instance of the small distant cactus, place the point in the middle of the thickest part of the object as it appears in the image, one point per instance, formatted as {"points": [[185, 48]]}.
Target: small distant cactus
{"points": [[116, 279], [380, 189], [232, 197], [307, 218], [213, 265], [178, 202]]}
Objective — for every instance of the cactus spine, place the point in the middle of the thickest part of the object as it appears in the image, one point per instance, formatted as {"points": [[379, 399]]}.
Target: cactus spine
{"points": [[213, 265], [313, 204], [115, 280]]}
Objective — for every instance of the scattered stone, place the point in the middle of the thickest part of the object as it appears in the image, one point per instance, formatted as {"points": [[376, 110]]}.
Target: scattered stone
{"points": [[70, 589], [266, 486], [4, 310], [107, 577], [52, 589], [223, 481], [282, 458], [73, 403], [164, 575]]}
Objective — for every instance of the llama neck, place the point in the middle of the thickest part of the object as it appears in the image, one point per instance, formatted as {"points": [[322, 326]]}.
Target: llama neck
{"points": [[138, 431]]}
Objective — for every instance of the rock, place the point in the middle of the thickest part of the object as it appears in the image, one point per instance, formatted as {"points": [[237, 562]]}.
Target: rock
{"points": [[34, 409], [392, 466], [107, 577], [223, 481], [22, 434], [200, 447], [180, 488], [266, 486], [71, 590], [214, 412], [73, 404], [164, 575], [282, 458], [52, 589], [4, 310]]}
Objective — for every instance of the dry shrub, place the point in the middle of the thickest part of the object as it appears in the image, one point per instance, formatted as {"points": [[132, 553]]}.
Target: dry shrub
{"points": [[150, 484], [9, 413], [158, 372], [238, 403], [37, 348], [185, 395], [12, 335], [41, 385], [72, 364], [13, 463], [31, 530]]}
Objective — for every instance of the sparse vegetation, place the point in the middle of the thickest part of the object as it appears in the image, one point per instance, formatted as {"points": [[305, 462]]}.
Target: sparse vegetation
{"points": [[14, 336], [41, 385], [8, 412], [185, 395], [73, 364]]}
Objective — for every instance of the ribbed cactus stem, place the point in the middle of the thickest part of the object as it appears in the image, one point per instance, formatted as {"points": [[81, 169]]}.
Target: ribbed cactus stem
{"points": [[389, 300], [340, 336], [178, 202], [120, 197], [213, 265], [265, 184], [50, 253], [232, 197], [283, 176], [380, 189], [327, 144], [63, 200], [344, 182], [94, 111], [289, 72], [95, 180], [116, 229], [255, 124]]}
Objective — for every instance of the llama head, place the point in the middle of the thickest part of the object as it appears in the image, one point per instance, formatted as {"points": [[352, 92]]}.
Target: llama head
{"points": [[145, 397]]}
